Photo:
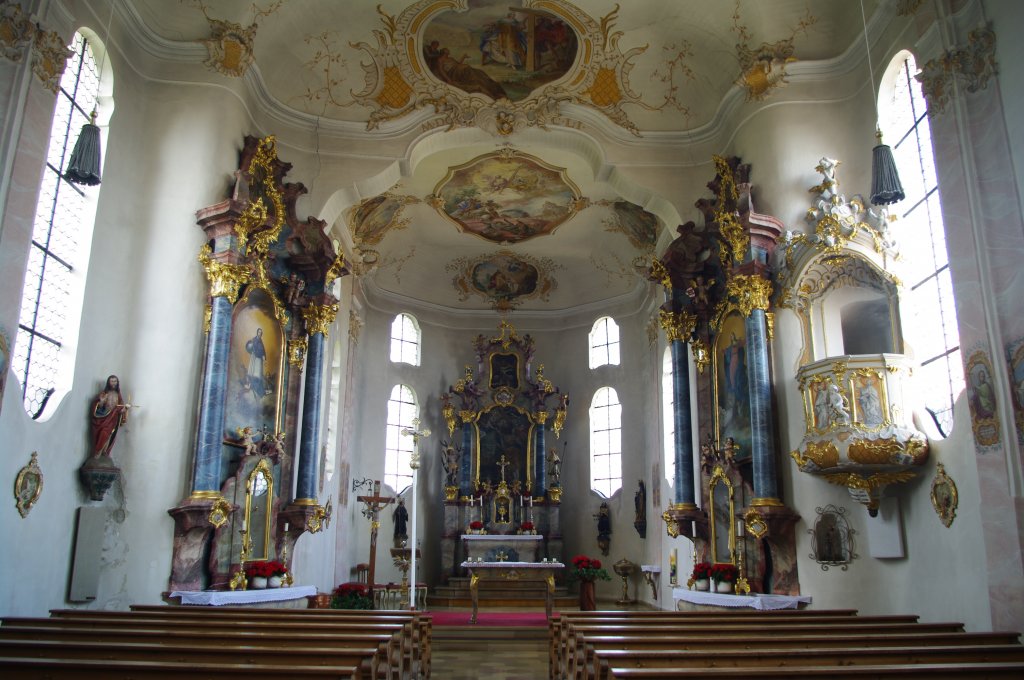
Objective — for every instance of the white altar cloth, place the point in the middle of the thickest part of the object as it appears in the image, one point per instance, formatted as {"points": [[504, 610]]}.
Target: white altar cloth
{"points": [[755, 601], [216, 598]]}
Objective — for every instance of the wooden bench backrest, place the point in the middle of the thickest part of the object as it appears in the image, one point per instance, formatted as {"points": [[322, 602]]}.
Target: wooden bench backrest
{"points": [[104, 669], [930, 671]]}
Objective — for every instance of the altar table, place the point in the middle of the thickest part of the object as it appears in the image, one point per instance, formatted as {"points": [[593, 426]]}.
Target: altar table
{"points": [[512, 571], [756, 601], [492, 547], [218, 598]]}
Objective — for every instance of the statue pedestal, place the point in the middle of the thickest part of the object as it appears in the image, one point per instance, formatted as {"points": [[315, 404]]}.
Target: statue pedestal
{"points": [[509, 548]]}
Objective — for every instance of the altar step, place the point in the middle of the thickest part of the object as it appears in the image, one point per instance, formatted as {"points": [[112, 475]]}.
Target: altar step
{"points": [[527, 594]]}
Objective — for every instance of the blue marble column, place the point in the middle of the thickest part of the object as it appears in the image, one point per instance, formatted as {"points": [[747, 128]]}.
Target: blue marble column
{"points": [[465, 464], [762, 443], [540, 477], [309, 432], [684, 490], [211, 409]]}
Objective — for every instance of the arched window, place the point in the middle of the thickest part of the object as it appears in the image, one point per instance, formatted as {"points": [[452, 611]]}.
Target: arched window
{"points": [[668, 416], [398, 449], [333, 410], [604, 342], [51, 301], [929, 323], [405, 340], [605, 442]]}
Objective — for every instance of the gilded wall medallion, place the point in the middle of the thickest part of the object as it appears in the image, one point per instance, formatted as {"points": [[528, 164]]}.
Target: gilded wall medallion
{"points": [[984, 407], [28, 485], [944, 496], [507, 197]]}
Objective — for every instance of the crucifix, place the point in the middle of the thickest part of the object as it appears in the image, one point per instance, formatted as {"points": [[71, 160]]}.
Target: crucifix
{"points": [[372, 512], [414, 462], [503, 463]]}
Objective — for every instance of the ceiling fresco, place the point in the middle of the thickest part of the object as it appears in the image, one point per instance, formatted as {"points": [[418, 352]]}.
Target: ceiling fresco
{"points": [[504, 278], [507, 197]]}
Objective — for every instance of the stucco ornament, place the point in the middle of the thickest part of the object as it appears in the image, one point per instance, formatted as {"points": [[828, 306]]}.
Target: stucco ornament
{"points": [[969, 66], [230, 46]]}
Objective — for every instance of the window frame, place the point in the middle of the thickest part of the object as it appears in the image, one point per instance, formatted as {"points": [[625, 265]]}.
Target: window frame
{"points": [[609, 427], [399, 325], [603, 350], [403, 447]]}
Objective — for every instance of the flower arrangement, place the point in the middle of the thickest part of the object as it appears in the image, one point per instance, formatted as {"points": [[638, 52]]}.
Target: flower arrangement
{"points": [[526, 526], [266, 569], [351, 596], [476, 525], [587, 569], [701, 571], [724, 572]]}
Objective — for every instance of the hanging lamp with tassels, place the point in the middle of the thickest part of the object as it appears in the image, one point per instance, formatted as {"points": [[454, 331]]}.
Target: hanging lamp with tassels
{"points": [[84, 166], [885, 179]]}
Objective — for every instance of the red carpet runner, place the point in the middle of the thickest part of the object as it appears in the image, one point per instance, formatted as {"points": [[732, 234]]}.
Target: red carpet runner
{"points": [[533, 619]]}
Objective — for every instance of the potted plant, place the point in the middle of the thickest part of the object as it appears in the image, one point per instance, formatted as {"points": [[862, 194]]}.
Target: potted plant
{"points": [[527, 528], [724, 575], [257, 574], [476, 527], [351, 596], [586, 570], [279, 574], [701, 576]]}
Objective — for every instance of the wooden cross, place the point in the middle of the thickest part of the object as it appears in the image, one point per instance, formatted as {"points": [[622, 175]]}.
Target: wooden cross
{"points": [[372, 512]]}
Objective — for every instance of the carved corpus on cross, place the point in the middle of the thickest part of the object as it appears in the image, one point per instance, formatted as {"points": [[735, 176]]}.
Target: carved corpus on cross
{"points": [[372, 512], [414, 462]]}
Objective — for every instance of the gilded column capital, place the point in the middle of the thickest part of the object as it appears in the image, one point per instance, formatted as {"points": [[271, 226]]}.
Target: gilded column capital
{"points": [[318, 318], [751, 292], [677, 325], [225, 279]]}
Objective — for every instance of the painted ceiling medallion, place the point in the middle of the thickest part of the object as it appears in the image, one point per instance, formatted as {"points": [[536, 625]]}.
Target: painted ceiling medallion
{"points": [[507, 197], [504, 278], [630, 219], [488, 63], [376, 216]]}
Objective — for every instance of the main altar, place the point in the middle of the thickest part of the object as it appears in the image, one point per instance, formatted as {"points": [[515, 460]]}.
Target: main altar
{"points": [[502, 491]]}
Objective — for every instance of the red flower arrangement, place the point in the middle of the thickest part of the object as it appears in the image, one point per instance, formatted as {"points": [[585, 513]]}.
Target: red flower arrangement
{"points": [[587, 569], [724, 572], [701, 571], [526, 526], [266, 569], [476, 525], [351, 596]]}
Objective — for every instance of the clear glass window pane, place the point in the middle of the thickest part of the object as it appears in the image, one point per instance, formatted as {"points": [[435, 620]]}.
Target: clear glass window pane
{"points": [[405, 340], [604, 343]]}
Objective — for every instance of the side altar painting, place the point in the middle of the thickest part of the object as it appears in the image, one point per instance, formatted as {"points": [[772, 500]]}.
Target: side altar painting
{"points": [[731, 394], [255, 367]]}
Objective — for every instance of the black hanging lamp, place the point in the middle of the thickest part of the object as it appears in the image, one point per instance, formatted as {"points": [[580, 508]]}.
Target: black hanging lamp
{"points": [[886, 188], [84, 166]]}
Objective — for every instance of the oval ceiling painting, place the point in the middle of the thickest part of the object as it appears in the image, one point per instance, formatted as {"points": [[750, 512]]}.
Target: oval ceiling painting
{"points": [[498, 50], [507, 197]]}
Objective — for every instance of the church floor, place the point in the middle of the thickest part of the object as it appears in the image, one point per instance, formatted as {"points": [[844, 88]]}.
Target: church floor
{"points": [[466, 659]]}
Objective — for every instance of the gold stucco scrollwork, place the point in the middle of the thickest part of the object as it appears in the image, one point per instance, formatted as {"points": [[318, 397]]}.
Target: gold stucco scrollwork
{"points": [[671, 528], [751, 292], [336, 270], [225, 279], [944, 496], [701, 354], [319, 318], [677, 325], [315, 523], [219, 512], [297, 351], [659, 272], [28, 485], [769, 318]]}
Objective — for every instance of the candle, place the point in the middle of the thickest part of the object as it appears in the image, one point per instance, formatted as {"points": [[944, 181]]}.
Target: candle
{"points": [[520, 501], [531, 501], [286, 527], [243, 525]]}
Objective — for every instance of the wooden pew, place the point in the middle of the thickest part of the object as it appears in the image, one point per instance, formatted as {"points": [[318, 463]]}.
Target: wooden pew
{"points": [[363, 660], [874, 671], [576, 653], [558, 626], [14, 668], [821, 655], [51, 629], [420, 623], [398, 653]]}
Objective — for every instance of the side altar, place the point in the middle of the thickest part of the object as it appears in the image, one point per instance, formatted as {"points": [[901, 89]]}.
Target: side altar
{"points": [[502, 493]]}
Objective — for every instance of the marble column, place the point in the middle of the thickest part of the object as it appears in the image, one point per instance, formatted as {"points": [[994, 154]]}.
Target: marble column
{"points": [[540, 477], [318, 316], [683, 440], [206, 476], [465, 463]]}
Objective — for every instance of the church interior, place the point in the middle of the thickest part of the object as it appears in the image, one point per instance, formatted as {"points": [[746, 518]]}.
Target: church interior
{"points": [[397, 293]]}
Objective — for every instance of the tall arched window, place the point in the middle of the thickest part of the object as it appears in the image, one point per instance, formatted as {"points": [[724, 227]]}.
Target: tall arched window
{"points": [[398, 449], [405, 340], [51, 301], [929, 323], [604, 342], [668, 416], [605, 442]]}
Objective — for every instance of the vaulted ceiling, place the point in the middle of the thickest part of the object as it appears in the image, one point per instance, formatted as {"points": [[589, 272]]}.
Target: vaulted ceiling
{"points": [[505, 212]]}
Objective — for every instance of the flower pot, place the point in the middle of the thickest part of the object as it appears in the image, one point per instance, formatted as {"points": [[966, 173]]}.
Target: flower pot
{"points": [[724, 586], [702, 584], [274, 582], [257, 583], [588, 600]]}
